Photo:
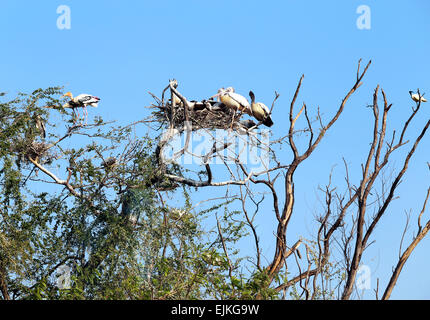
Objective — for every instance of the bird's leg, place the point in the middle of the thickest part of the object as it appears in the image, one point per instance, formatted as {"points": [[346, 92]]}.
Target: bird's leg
{"points": [[86, 115], [81, 119], [232, 120], [78, 118], [234, 117], [74, 115]]}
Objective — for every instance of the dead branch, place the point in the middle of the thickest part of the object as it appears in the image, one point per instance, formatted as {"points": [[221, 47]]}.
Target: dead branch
{"points": [[422, 232]]}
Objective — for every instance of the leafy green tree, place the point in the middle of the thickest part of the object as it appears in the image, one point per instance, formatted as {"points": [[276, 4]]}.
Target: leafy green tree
{"points": [[94, 209]]}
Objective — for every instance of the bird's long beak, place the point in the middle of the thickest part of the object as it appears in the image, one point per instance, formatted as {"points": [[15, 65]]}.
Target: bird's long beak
{"points": [[216, 95]]}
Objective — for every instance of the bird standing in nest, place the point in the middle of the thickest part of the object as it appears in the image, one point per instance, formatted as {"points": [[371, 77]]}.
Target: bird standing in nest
{"points": [[260, 111], [234, 101]]}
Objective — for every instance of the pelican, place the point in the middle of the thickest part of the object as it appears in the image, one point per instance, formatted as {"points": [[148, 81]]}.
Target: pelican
{"points": [[416, 97], [233, 100], [260, 111]]}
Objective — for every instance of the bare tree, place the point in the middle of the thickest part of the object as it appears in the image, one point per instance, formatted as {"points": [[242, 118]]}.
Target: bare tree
{"points": [[422, 231]]}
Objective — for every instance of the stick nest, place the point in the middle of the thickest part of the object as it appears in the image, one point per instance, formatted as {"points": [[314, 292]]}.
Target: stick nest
{"points": [[202, 115], [205, 114], [38, 151]]}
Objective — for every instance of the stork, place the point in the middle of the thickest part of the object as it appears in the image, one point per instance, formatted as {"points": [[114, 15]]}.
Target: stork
{"points": [[260, 111], [416, 97], [81, 101]]}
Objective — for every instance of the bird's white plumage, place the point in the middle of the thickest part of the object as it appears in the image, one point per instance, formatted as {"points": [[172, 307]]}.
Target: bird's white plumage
{"points": [[81, 101], [234, 100], [87, 100], [239, 99], [264, 107], [416, 97]]}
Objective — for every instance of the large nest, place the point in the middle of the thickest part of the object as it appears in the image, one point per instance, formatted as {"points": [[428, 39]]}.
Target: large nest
{"points": [[205, 114], [37, 151]]}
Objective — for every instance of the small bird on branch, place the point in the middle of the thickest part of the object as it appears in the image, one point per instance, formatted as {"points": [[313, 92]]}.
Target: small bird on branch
{"points": [[417, 97]]}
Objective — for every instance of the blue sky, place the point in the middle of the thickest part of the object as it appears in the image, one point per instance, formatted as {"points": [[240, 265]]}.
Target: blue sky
{"points": [[120, 50]]}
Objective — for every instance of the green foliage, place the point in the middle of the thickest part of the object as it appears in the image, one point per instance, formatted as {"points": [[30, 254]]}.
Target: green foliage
{"points": [[108, 224]]}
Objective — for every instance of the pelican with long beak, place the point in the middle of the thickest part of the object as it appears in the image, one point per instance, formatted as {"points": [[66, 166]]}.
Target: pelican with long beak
{"points": [[233, 100], [260, 111], [417, 97]]}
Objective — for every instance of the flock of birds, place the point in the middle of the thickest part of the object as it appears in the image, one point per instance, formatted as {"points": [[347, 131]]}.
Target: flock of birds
{"points": [[237, 102], [228, 97]]}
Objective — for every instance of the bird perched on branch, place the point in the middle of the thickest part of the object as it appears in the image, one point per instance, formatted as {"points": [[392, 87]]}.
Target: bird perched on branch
{"points": [[40, 125], [81, 101], [416, 97], [260, 111]]}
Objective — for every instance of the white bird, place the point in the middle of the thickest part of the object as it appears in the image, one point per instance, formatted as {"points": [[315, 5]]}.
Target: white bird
{"points": [[416, 97], [260, 111], [81, 101], [233, 100]]}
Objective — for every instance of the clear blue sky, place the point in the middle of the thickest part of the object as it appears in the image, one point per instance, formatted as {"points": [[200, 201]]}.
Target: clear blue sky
{"points": [[120, 50]]}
